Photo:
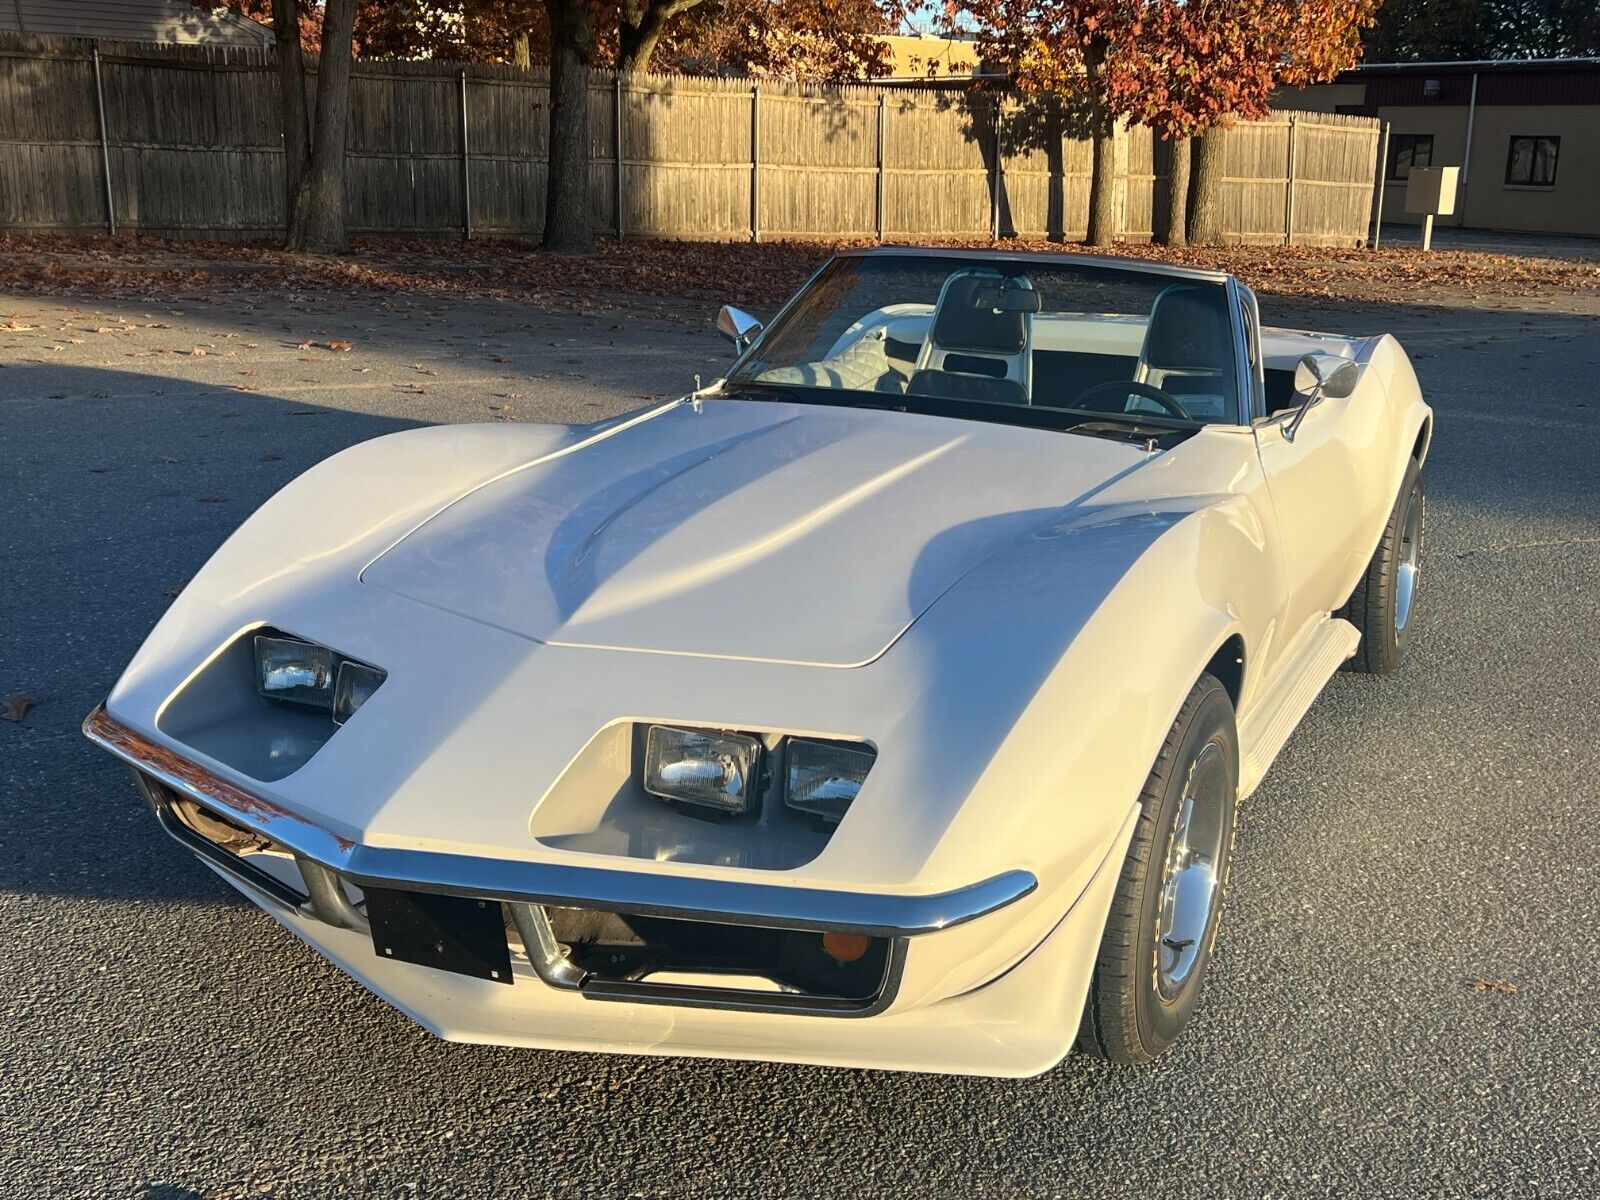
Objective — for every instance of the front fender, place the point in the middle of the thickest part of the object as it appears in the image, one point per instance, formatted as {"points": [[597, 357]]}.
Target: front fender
{"points": [[1090, 637], [319, 530], [1407, 428]]}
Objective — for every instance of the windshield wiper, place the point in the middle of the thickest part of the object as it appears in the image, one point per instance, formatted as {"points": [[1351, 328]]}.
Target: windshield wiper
{"points": [[803, 393], [1126, 429]]}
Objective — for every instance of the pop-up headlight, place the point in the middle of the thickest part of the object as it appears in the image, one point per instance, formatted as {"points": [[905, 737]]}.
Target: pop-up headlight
{"points": [[717, 770], [352, 687], [289, 669], [302, 672], [824, 777]]}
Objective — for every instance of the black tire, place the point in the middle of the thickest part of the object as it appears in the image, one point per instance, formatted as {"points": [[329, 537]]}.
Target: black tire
{"points": [[1132, 1015], [1375, 606]]}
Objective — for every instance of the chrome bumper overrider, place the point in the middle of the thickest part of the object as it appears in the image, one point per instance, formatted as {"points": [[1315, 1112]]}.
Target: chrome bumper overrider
{"points": [[649, 893]]}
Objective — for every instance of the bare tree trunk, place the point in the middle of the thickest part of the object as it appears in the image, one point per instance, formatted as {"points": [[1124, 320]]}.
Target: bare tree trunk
{"points": [[1205, 197], [1055, 221], [318, 220], [566, 207], [1102, 185], [1102, 190], [292, 89], [643, 23], [1173, 212], [521, 55]]}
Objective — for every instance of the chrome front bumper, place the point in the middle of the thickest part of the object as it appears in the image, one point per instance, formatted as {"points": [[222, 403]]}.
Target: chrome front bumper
{"points": [[526, 887]]}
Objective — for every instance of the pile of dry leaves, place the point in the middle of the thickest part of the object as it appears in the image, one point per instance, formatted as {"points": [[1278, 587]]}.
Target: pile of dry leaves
{"points": [[757, 276]]}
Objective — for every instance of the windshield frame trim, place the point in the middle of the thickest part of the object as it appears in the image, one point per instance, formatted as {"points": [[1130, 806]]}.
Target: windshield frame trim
{"points": [[777, 319], [1245, 400], [1243, 373], [1017, 416], [1058, 257]]}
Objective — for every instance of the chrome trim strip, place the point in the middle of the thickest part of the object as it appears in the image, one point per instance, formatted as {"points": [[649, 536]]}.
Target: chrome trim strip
{"points": [[276, 891], [723, 901], [1249, 375]]}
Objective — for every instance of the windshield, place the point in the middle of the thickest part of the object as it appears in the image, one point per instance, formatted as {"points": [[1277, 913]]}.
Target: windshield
{"points": [[994, 339]]}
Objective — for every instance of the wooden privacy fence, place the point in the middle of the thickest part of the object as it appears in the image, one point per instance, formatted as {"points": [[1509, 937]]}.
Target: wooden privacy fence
{"points": [[184, 140]]}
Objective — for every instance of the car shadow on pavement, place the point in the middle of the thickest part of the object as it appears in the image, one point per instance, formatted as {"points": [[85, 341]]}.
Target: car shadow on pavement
{"points": [[120, 486]]}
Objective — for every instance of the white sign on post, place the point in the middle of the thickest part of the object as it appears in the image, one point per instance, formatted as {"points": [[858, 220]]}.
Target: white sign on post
{"points": [[1431, 191]]}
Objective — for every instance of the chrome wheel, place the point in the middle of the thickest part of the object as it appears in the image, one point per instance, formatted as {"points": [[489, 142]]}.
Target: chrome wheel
{"points": [[1410, 552], [1191, 876]]}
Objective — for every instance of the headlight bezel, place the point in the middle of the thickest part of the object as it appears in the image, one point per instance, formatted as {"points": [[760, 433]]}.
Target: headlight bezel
{"points": [[833, 808], [771, 771], [294, 654], [334, 675], [354, 683], [747, 749]]}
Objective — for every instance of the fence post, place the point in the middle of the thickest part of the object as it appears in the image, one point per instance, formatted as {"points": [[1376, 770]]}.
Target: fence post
{"points": [[883, 194], [755, 163], [105, 149], [994, 175], [1383, 171], [466, 167], [1288, 199], [616, 113]]}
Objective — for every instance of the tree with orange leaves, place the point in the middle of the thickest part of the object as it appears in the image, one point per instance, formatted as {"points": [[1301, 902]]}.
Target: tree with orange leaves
{"points": [[1211, 62], [1082, 51], [819, 41], [1182, 67]]}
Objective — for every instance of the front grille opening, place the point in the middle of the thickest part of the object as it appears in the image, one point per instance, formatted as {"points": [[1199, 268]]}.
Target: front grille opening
{"points": [[225, 843], [219, 830], [624, 948]]}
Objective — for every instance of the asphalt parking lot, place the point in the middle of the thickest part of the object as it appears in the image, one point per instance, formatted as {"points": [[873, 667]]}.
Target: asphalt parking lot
{"points": [[1405, 997]]}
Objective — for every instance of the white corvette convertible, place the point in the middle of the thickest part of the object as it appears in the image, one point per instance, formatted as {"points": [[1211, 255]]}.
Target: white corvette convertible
{"points": [[886, 703]]}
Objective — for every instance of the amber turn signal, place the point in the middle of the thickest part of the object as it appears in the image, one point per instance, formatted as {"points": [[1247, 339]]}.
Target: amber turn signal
{"points": [[845, 947]]}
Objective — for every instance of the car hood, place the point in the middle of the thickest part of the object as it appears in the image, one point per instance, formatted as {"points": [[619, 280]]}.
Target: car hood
{"points": [[744, 529]]}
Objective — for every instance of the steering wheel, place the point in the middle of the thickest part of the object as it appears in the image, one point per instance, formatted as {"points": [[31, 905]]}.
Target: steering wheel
{"points": [[1126, 388]]}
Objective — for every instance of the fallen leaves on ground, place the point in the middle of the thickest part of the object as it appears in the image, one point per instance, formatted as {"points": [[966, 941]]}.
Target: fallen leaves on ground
{"points": [[14, 708], [756, 275], [1495, 985]]}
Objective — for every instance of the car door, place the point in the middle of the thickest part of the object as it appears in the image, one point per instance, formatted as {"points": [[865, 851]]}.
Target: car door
{"points": [[1314, 487], [1324, 500]]}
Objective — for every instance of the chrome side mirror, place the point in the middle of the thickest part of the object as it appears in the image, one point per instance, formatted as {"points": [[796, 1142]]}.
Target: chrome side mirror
{"points": [[1319, 377], [739, 327]]}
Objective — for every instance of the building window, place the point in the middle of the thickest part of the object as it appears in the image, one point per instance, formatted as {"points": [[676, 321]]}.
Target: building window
{"points": [[1407, 150], [1531, 161]]}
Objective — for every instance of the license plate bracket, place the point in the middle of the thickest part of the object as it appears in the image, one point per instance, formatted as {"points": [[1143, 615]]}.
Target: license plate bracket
{"points": [[457, 934]]}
